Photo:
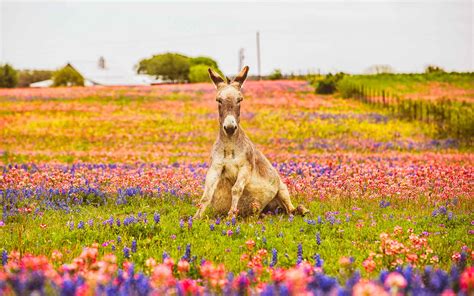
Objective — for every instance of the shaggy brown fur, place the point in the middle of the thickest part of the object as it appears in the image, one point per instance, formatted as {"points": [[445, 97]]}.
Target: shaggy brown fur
{"points": [[240, 178]]}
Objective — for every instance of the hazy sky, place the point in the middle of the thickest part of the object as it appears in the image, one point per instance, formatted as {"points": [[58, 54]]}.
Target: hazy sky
{"points": [[330, 36]]}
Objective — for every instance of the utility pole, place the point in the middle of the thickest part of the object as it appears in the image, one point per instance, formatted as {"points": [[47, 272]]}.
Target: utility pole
{"points": [[258, 56], [241, 59]]}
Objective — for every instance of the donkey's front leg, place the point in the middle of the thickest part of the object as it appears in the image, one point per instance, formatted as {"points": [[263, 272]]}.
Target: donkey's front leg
{"points": [[212, 179], [243, 178]]}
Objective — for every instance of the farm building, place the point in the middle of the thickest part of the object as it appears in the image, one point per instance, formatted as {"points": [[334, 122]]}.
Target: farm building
{"points": [[100, 73]]}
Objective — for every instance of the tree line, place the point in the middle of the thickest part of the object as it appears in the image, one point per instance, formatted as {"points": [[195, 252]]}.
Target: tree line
{"points": [[173, 67]]}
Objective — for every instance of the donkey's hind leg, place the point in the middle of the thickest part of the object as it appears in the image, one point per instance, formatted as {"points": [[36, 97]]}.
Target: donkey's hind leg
{"points": [[284, 196]]}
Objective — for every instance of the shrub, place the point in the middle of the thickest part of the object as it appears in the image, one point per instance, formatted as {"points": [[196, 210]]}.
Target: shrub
{"points": [[199, 73], [8, 76], [67, 76], [328, 85], [275, 75], [434, 69]]}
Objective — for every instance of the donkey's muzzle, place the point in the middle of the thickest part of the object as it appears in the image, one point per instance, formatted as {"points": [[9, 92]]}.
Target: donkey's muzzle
{"points": [[230, 125], [230, 129]]}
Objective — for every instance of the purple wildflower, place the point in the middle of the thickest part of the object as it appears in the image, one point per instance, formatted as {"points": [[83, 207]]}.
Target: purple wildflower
{"points": [[134, 246], [274, 257], [299, 257], [126, 252], [190, 222], [156, 217], [4, 257]]}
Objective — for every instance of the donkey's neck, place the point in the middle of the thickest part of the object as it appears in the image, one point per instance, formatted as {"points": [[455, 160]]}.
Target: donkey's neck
{"points": [[234, 141]]}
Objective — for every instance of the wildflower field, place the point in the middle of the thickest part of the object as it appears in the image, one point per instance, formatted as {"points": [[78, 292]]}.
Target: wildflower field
{"points": [[98, 186]]}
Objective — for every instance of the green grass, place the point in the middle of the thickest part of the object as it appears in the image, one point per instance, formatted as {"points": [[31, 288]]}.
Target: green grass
{"points": [[415, 85], [344, 239]]}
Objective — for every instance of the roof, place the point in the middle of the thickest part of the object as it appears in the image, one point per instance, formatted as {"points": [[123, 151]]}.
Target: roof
{"points": [[110, 74]]}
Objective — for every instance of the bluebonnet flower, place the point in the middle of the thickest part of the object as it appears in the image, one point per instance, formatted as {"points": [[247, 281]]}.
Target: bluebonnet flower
{"points": [[264, 240], [190, 222], [318, 238], [320, 220], [165, 255], [126, 252], [318, 262], [181, 223], [211, 227], [299, 257], [218, 221], [227, 223], [274, 257], [233, 221], [156, 217], [134, 246], [4, 257], [331, 219], [118, 222], [450, 215], [80, 225], [187, 253], [237, 230], [113, 248], [71, 225], [291, 218], [263, 228], [383, 204], [68, 288], [90, 222], [119, 239]]}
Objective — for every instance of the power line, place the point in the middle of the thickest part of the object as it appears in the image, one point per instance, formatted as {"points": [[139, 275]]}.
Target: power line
{"points": [[258, 56]]}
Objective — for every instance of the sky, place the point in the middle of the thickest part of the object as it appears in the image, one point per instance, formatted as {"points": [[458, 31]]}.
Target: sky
{"points": [[324, 36]]}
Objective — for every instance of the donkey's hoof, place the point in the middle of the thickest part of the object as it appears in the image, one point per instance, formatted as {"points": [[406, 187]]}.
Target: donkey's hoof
{"points": [[302, 210]]}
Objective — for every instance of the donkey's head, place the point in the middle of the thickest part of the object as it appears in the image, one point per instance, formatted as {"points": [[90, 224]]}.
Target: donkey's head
{"points": [[229, 98]]}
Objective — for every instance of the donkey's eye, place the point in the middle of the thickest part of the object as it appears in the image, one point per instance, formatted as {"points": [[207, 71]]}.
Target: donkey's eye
{"points": [[219, 100], [239, 100]]}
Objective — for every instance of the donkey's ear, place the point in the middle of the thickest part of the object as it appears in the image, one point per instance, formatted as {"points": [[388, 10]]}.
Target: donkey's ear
{"points": [[216, 78], [240, 78]]}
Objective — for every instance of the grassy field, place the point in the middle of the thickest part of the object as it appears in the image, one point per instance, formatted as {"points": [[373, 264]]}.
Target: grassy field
{"points": [[97, 187], [432, 86]]}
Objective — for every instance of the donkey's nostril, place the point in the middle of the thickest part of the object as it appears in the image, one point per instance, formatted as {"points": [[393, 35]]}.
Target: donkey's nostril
{"points": [[230, 129]]}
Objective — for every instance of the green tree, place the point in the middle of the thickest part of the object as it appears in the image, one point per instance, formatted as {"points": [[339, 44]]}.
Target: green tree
{"points": [[433, 69], [172, 66], [67, 76], [204, 61], [8, 76], [275, 75], [199, 73], [26, 77]]}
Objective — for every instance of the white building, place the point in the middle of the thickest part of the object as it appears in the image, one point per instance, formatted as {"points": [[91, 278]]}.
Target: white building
{"points": [[100, 73]]}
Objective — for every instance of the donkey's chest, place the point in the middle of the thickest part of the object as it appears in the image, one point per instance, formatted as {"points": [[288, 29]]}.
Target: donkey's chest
{"points": [[231, 166]]}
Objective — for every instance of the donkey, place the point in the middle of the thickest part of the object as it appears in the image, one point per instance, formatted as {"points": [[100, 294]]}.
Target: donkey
{"points": [[240, 179]]}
